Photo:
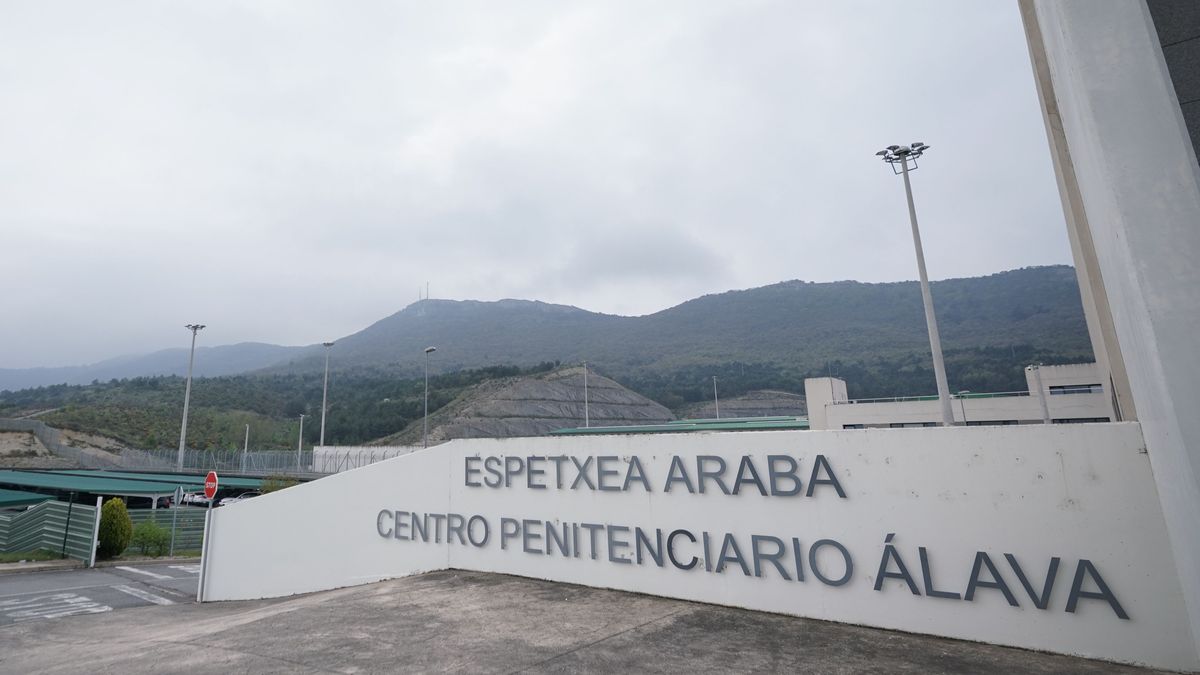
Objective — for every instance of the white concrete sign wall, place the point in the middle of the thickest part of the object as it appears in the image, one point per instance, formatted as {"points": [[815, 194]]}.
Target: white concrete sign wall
{"points": [[1046, 537]]}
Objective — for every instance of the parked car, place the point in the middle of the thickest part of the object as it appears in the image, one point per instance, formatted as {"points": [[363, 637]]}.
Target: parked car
{"points": [[195, 499], [233, 500]]}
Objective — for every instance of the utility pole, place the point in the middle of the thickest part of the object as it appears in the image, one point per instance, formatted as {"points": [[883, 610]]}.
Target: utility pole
{"points": [[300, 442], [187, 395], [716, 401], [904, 155], [586, 419]]}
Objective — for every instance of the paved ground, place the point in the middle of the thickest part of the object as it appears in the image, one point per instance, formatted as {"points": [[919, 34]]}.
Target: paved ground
{"points": [[38, 596], [476, 622]]}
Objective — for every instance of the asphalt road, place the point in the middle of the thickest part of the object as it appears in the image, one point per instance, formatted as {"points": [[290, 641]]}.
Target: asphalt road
{"points": [[452, 621], [51, 595]]}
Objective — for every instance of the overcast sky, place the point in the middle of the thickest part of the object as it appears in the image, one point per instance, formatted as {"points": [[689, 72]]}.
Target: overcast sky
{"points": [[290, 172]]}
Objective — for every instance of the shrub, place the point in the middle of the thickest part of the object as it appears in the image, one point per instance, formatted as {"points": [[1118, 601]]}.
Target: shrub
{"points": [[115, 529], [150, 538], [277, 482]]}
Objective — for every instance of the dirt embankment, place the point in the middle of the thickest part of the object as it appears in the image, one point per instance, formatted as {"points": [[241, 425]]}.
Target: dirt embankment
{"points": [[21, 449]]}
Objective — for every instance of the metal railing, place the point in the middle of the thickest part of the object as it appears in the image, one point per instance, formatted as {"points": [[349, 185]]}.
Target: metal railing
{"points": [[932, 397]]}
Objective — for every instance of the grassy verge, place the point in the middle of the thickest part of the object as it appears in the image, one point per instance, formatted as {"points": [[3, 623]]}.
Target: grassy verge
{"points": [[33, 556]]}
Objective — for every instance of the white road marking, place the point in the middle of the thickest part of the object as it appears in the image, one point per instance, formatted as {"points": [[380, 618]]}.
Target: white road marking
{"points": [[190, 569], [50, 606], [135, 570], [144, 595]]}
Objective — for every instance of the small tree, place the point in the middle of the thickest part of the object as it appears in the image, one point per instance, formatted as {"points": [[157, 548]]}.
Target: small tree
{"points": [[115, 529], [150, 538]]}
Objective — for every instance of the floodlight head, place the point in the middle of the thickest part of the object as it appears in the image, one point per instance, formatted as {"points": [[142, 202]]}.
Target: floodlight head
{"points": [[430, 350], [881, 153], [917, 144], [194, 327], [327, 344], [893, 148]]}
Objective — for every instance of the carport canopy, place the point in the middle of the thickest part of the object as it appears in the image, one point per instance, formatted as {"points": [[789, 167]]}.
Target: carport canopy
{"points": [[10, 498], [190, 482], [89, 484]]}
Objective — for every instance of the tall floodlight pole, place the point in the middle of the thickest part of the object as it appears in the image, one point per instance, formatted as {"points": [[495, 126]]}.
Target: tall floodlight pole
{"points": [[716, 401], [187, 395], [425, 419], [245, 448], [903, 158], [325, 391], [586, 419], [300, 442]]}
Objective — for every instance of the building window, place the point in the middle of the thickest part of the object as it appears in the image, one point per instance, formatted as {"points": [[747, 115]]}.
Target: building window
{"points": [[1081, 420], [854, 426], [911, 425], [1060, 389], [991, 423]]}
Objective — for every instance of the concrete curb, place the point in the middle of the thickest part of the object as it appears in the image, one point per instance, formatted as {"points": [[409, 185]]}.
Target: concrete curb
{"points": [[148, 561], [40, 566]]}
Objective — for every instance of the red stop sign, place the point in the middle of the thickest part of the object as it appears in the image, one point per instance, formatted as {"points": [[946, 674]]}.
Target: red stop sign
{"points": [[210, 485]]}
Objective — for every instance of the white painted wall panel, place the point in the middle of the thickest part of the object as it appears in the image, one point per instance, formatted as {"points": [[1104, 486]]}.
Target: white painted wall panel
{"points": [[1080, 491]]}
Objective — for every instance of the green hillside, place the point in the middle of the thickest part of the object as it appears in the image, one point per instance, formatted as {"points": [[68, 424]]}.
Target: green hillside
{"points": [[872, 335]]}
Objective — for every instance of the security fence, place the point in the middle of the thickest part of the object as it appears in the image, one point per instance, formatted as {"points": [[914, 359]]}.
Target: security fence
{"points": [[343, 458], [62, 527], [222, 461], [188, 523]]}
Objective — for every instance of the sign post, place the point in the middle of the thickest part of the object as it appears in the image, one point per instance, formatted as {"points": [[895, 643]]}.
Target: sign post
{"points": [[210, 493]]}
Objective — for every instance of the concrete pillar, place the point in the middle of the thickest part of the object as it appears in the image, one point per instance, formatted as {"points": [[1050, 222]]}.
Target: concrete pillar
{"points": [[820, 392], [1130, 185]]}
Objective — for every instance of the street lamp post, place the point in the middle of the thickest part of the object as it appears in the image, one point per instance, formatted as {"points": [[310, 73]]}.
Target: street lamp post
{"points": [[300, 442], [903, 158], [586, 419], [325, 390], [425, 419], [245, 448], [716, 401], [187, 395]]}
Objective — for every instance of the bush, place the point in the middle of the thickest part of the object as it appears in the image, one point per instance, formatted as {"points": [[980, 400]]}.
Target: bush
{"points": [[115, 529], [150, 538], [277, 482]]}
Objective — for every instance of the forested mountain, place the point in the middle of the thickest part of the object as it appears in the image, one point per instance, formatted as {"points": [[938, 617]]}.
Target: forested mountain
{"points": [[794, 325], [872, 335], [210, 362], [798, 326]]}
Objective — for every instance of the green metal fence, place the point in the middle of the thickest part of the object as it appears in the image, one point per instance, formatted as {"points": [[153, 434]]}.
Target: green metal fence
{"points": [[189, 525], [45, 526]]}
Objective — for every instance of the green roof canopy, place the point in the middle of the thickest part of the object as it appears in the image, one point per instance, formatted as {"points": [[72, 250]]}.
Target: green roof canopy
{"points": [[90, 484], [187, 480], [19, 498]]}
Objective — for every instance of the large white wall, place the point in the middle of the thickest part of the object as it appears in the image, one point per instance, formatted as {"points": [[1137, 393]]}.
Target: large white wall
{"points": [[1039, 492]]}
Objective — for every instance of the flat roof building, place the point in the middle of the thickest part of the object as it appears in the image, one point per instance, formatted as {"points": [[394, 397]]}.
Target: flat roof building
{"points": [[1073, 393]]}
